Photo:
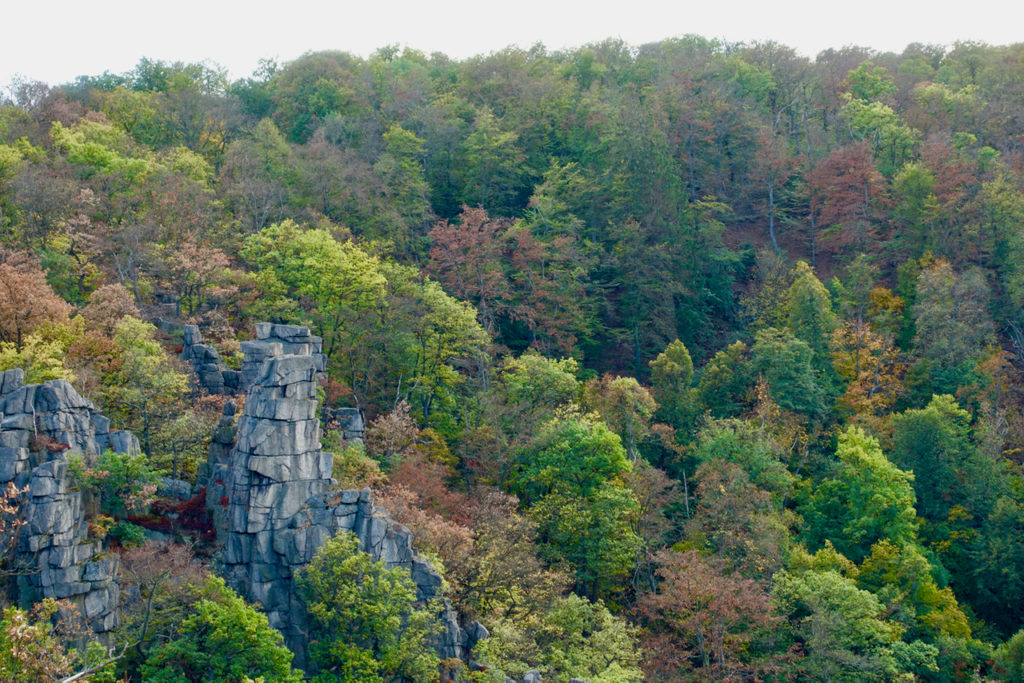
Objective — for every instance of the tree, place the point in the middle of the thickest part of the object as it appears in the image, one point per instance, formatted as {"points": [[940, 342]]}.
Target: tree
{"points": [[892, 141], [400, 167], [741, 443], [809, 314], [574, 455], [27, 299], [625, 406], [998, 566], [737, 522], [504, 578], [952, 322], [570, 476], [868, 500], [144, 388], [466, 259], [852, 192], [366, 623], [223, 639], [335, 279], [901, 577], [702, 610], [842, 628], [1009, 658], [492, 161], [870, 366], [774, 165], [42, 359], [787, 364], [38, 645], [255, 176], [725, 383], [573, 638], [671, 379], [592, 537], [934, 443], [194, 274]]}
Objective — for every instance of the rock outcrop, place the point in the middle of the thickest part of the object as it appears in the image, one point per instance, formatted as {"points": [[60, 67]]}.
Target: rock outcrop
{"points": [[275, 498], [211, 373], [276, 340], [39, 425]]}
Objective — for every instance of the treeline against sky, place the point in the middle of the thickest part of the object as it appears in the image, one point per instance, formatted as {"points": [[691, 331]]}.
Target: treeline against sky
{"points": [[732, 338]]}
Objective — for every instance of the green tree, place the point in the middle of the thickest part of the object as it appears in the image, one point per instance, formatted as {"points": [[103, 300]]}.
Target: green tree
{"points": [[41, 359], [400, 167], [145, 388], [223, 639], [953, 327], [741, 443], [570, 476], [574, 638], [788, 365], [842, 628], [867, 500], [625, 406], [725, 383], [593, 537], [493, 166], [1009, 658], [366, 623], [998, 567], [333, 279], [901, 576], [934, 444], [671, 380], [809, 314], [574, 454]]}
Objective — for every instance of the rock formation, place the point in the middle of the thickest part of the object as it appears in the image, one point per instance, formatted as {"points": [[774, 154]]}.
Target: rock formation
{"points": [[275, 498], [39, 425], [211, 374]]}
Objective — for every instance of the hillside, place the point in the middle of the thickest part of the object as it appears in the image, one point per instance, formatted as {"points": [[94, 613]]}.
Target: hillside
{"points": [[679, 361]]}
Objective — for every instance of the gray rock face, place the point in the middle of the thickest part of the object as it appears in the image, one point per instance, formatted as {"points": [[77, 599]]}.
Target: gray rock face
{"points": [[350, 421], [272, 498], [271, 340], [276, 340], [211, 374], [39, 425]]}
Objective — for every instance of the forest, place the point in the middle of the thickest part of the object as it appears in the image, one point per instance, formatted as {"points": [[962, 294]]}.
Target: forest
{"points": [[684, 361]]}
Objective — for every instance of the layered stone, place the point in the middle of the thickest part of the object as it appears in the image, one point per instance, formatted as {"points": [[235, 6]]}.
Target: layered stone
{"points": [[275, 498], [40, 424]]}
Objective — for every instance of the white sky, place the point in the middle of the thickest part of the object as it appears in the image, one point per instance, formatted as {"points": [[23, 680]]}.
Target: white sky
{"points": [[58, 40]]}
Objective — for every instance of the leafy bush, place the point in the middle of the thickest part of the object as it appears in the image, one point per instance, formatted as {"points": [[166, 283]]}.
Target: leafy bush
{"points": [[125, 482]]}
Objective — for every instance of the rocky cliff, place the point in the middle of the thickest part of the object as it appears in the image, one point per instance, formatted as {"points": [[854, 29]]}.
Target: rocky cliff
{"points": [[40, 424], [272, 491]]}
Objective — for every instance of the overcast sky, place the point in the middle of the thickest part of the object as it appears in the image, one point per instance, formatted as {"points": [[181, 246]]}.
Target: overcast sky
{"points": [[58, 40]]}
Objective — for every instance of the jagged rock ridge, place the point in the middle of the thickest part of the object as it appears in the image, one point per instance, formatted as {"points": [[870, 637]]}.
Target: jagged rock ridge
{"points": [[272, 492], [55, 558]]}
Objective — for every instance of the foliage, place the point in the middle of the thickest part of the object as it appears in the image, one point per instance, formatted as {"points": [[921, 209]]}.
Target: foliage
{"points": [[701, 610], [733, 254], [868, 500], [788, 365], [574, 455], [41, 359], [574, 638], [143, 389], [366, 623], [223, 639], [671, 379], [32, 648], [27, 299], [125, 482]]}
